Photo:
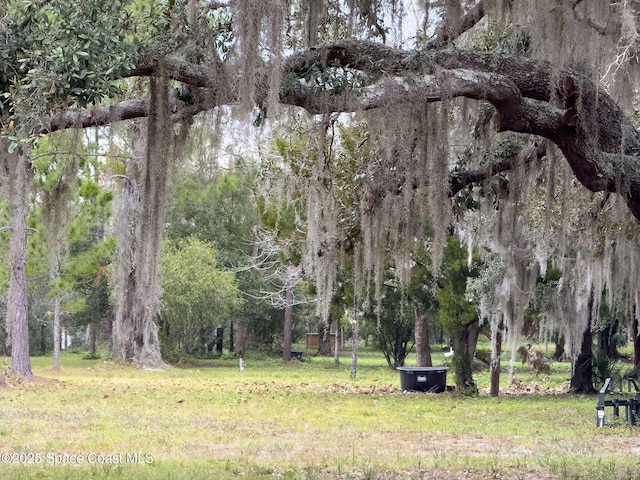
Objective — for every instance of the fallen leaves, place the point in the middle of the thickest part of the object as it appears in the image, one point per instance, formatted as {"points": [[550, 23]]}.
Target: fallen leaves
{"points": [[535, 388], [288, 389]]}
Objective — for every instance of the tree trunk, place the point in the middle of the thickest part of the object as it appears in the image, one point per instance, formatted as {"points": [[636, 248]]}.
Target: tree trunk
{"points": [[636, 341], [91, 339], [324, 337], [423, 349], [56, 332], [337, 346], [558, 355], [496, 351], [582, 375], [288, 313], [355, 341], [17, 305], [473, 332], [110, 322], [241, 338], [135, 332], [140, 228], [612, 351], [462, 361]]}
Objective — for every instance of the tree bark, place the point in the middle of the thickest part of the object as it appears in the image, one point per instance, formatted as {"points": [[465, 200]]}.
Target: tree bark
{"points": [[558, 355], [423, 349], [337, 346], [496, 351], [355, 343], [17, 304], [463, 344], [582, 376], [473, 332], [324, 337], [607, 340], [91, 339], [56, 332], [635, 334], [141, 223], [241, 338], [288, 313]]}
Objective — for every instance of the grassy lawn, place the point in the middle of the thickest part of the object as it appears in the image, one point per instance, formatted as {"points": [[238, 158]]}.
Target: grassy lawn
{"points": [[309, 420]]}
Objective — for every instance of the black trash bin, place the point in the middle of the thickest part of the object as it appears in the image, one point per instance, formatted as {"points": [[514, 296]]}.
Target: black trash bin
{"points": [[423, 379]]}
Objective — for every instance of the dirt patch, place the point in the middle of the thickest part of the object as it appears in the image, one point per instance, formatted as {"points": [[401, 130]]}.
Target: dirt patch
{"points": [[533, 388], [281, 388], [440, 474], [261, 388], [10, 381]]}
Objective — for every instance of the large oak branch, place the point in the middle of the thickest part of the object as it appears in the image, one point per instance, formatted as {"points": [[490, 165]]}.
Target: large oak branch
{"points": [[599, 142]]}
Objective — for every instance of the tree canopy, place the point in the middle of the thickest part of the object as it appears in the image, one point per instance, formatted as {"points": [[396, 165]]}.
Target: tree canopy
{"points": [[530, 96], [493, 104]]}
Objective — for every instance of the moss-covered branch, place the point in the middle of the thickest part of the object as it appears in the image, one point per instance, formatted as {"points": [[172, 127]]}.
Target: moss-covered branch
{"points": [[597, 139]]}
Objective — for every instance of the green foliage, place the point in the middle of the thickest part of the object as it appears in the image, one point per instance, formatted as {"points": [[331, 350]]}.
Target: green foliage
{"points": [[221, 210], [456, 309], [458, 312], [68, 254], [198, 296], [91, 254], [293, 151], [399, 306], [282, 215], [59, 54], [221, 23], [395, 327], [331, 78], [285, 222]]}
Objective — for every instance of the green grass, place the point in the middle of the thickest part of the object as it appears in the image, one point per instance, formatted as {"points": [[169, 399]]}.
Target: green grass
{"points": [[304, 420]]}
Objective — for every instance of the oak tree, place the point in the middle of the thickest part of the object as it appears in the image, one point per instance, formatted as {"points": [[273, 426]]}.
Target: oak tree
{"points": [[519, 65]]}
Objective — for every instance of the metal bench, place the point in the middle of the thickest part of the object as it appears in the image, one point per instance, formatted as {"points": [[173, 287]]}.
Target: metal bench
{"points": [[630, 400]]}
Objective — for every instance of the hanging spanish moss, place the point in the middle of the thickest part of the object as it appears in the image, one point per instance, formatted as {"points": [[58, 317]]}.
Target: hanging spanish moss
{"points": [[260, 27], [548, 219], [140, 223], [599, 267], [581, 35], [536, 216], [531, 218], [402, 169], [408, 186], [321, 257]]}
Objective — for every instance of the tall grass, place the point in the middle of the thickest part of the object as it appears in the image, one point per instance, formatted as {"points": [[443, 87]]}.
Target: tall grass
{"points": [[304, 420]]}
